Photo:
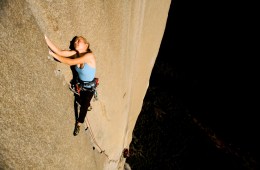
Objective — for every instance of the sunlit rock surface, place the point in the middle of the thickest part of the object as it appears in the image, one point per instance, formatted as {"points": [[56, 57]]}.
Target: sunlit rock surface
{"points": [[37, 109]]}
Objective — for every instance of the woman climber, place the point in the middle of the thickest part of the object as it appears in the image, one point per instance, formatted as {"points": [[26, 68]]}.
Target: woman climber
{"points": [[85, 65]]}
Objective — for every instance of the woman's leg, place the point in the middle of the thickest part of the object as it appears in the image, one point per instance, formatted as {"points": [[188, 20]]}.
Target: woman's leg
{"points": [[85, 98]]}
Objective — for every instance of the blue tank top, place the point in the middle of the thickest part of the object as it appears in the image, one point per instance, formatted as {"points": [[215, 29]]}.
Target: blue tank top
{"points": [[87, 73]]}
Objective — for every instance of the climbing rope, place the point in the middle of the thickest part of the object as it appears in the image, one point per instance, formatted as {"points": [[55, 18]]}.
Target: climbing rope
{"points": [[95, 142]]}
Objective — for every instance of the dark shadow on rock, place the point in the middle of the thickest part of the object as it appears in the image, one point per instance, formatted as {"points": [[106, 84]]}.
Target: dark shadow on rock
{"points": [[73, 82], [73, 70]]}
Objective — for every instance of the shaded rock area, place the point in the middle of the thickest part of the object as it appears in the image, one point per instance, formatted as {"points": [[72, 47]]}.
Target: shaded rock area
{"points": [[200, 110], [37, 113]]}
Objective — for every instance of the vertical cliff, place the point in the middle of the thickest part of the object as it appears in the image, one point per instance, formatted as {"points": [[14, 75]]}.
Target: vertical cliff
{"points": [[37, 109]]}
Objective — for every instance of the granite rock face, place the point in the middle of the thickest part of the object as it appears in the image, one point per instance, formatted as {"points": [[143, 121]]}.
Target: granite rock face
{"points": [[37, 112]]}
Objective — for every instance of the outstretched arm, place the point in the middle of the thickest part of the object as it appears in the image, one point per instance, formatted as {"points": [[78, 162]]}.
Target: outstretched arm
{"points": [[68, 61], [55, 49]]}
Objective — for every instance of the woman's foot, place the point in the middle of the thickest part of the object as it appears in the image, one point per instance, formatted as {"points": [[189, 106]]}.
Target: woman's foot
{"points": [[76, 129]]}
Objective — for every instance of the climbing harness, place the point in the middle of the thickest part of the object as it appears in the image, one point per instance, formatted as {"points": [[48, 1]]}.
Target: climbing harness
{"points": [[89, 86], [80, 85]]}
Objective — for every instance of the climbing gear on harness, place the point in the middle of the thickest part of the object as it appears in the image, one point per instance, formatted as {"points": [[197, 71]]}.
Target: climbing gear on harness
{"points": [[74, 88], [80, 85], [88, 85]]}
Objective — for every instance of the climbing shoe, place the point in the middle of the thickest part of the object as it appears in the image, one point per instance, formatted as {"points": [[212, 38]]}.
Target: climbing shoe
{"points": [[76, 130]]}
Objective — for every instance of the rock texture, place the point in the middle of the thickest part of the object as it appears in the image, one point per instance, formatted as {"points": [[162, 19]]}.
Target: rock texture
{"points": [[37, 109]]}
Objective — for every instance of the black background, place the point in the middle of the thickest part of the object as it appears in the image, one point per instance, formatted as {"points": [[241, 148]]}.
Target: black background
{"points": [[206, 70]]}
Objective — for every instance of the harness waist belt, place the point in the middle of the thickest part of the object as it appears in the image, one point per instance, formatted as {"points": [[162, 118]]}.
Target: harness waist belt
{"points": [[88, 84]]}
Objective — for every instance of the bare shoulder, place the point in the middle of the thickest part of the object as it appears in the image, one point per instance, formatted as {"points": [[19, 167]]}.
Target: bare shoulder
{"points": [[90, 59], [89, 56]]}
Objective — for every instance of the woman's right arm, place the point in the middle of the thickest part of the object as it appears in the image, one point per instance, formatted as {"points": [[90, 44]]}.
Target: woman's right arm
{"points": [[69, 61], [55, 49]]}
